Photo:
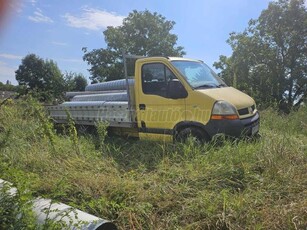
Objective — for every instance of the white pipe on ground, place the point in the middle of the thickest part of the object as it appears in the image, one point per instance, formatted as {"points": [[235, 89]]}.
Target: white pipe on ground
{"points": [[45, 209]]}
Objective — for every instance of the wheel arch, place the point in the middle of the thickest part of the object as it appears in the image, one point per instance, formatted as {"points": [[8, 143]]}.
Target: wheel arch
{"points": [[190, 124]]}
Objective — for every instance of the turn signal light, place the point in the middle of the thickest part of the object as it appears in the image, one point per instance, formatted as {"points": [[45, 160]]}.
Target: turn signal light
{"points": [[224, 117]]}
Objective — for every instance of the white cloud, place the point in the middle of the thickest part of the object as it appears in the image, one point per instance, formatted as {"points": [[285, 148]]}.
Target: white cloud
{"points": [[33, 2], [39, 17], [10, 56], [94, 19], [59, 43]]}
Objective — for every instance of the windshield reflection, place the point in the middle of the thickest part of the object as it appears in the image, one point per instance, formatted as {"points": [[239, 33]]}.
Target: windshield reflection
{"points": [[198, 74]]}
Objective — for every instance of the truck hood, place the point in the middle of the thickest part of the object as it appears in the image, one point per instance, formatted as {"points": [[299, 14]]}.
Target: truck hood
{"points": [[237, 98]]}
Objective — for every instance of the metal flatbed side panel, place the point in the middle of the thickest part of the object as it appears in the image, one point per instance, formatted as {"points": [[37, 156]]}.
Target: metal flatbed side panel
{"points": [[110, 116], [71, 104], [70, 95], [94, 121], [112, 112], [102, 97]]}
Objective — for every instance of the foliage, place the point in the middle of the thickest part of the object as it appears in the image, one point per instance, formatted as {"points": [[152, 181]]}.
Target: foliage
{"points": [[15, 210], [72, 132], [269, 59], [45, 125], [154, 185], [75, 81], [41, 77], [142, 33], [102, 132]]}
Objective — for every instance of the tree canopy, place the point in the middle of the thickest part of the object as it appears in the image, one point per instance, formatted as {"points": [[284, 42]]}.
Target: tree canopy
{"points": [[40, 76], [142, 33], [75, 81], [269, 59]]}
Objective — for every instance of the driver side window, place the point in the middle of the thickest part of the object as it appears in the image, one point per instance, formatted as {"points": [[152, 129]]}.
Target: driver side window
{"points": [[155, 78]]}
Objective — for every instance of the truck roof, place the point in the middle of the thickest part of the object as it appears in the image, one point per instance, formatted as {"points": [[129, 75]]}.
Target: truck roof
{"points": [[172, 58], [183, 59]]}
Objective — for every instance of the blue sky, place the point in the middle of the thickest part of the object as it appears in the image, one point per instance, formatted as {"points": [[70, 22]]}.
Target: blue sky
{"points": [[58, 29]]}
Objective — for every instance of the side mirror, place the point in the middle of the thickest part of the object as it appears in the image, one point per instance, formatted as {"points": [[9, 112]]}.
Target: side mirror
{"points": [[176, 90]]}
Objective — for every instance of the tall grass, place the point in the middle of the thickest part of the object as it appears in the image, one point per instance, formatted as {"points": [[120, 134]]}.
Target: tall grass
{"points": [[152, 185]]}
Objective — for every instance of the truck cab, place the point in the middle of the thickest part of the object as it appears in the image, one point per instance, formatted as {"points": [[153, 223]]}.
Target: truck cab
{"points": [[178, 97]]}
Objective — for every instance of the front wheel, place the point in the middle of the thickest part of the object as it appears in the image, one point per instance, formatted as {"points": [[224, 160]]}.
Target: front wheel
{"points": [[196, 134]]}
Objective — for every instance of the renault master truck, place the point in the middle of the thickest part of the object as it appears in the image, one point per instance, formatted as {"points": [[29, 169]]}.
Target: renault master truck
{"points": [[168, 98]]}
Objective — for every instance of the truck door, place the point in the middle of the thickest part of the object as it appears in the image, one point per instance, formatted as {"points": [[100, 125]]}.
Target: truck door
{"points": [[158, 111]]}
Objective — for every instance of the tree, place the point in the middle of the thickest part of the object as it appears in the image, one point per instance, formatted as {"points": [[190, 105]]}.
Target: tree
{"points": [[75, 81], [80, 82], [269, 58], [142, 33], [40, 76]]}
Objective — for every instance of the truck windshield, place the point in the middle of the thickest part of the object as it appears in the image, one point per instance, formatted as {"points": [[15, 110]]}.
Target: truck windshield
{"points": [[198, 74]]}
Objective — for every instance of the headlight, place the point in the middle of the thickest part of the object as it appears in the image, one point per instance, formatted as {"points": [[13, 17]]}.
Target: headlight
{"points": [[223, 110]]}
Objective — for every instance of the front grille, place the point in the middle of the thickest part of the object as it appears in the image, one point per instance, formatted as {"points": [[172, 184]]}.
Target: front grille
{"points": [[247, 110], [243, 111]]}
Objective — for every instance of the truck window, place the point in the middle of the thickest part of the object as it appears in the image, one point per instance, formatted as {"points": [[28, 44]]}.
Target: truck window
{"points": [[155, 78]]}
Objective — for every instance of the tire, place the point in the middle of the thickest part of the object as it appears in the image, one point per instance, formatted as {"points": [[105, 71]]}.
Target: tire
{"points": [[197, 134]]}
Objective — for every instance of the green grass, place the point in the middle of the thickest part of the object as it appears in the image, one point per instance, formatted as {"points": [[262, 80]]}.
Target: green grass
{"points": [[152, 185]]}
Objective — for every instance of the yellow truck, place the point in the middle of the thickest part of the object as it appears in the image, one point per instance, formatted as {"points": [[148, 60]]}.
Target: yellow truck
{"points": [[168, 98]]}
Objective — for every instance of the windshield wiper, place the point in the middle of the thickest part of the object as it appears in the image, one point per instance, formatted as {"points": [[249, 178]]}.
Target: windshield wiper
{"points": [[207, 86]]}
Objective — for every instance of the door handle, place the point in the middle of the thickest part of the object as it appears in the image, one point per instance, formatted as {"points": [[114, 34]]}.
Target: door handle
{"points": [[142, 106]]}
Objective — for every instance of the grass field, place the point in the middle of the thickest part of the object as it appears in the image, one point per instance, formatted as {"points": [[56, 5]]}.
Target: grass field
{"points": [[258, 184]]}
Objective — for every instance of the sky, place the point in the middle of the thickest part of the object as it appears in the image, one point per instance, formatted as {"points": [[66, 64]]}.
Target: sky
{"points": [[58, 29]]}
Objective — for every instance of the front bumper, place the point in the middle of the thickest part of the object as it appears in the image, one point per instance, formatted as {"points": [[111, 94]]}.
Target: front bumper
{"points": [[234, 128]]}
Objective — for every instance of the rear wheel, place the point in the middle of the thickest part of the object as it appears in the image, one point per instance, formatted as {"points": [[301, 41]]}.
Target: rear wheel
{"points": [[197, 134]]}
